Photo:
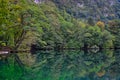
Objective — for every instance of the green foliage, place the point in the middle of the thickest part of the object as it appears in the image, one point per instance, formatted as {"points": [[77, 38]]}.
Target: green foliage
{"points": [[50, 25], [91, 22], [114, 28], [9, 26]]}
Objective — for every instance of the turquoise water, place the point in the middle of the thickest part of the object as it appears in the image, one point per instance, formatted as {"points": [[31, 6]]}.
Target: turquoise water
{"points": [[63, 65]]}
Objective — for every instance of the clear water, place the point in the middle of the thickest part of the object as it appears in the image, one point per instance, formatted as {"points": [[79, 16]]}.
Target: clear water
{"points": [[64, 65]]}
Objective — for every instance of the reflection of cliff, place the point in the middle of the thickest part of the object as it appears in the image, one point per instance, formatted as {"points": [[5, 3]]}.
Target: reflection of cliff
{"points": [[72, 64]]}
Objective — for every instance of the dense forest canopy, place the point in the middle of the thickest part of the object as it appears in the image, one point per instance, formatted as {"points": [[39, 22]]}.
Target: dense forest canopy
{"points": [[72, 23]]}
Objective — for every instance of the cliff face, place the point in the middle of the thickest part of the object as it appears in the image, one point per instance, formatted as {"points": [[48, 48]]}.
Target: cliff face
{"points": [[97, 9]]}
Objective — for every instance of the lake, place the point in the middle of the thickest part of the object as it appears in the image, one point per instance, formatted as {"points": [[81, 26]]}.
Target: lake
{"points": [[61, 65]]}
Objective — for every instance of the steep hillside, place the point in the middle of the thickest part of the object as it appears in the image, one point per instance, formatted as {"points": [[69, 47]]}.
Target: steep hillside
{"points": [[97, 9]]}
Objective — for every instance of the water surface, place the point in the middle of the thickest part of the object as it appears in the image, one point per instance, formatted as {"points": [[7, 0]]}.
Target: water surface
{"points": [[62, 65]]}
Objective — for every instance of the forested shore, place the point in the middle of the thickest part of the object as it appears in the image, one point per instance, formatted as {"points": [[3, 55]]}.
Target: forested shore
{"points": [[24, 23]]}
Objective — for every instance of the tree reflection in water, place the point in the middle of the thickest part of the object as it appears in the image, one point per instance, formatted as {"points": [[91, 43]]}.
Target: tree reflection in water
{"points": [[67, 65], [75, 65]]}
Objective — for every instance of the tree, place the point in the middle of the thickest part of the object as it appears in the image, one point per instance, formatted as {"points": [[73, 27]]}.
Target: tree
{"points": [[101, 25], [91, 22], [114, 28], [11, 28]]}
